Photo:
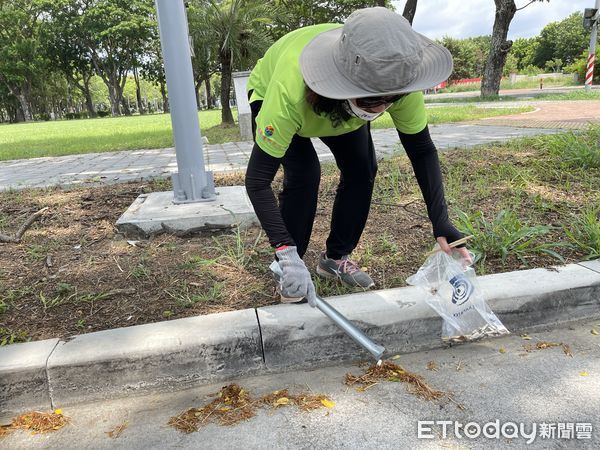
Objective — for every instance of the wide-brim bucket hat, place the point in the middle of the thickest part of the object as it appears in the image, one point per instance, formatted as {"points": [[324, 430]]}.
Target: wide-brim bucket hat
{"points": [[376, 53]]}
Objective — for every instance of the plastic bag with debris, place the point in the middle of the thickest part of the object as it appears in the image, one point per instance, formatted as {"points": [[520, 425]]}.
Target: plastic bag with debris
{"points": [[456, 296]]}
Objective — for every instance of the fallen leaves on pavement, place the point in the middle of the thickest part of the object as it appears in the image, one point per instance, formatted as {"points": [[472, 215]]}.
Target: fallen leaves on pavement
{"points": [[37, 422], [115, 433], [393, 372], [306, 402], [542, 345], [233, 404], [431, 365]]}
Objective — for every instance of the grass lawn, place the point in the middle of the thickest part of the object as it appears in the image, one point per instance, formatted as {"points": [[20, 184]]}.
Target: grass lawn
{"points": [[68, 137], [31, 140]]}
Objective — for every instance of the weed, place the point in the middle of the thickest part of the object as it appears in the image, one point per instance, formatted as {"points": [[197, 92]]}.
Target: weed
{"points": [[576, 150], [8, 336], [3, 221], [81, 324], [186, 297], [39, 252], [505, 235], [141, 271], [197, 263], [584, 232], [8, 297], [233, 249], [326, 287], [64, 289], [52, 302]]}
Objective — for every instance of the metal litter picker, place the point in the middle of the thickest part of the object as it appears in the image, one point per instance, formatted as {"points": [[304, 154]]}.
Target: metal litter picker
{"points": [[348, 327]]}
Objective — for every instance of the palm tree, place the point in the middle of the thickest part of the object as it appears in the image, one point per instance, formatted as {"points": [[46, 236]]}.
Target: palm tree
{"points": [[239, 28]]}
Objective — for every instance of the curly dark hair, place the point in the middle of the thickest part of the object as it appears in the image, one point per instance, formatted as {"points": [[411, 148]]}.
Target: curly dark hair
{"points": [[333, 109]]}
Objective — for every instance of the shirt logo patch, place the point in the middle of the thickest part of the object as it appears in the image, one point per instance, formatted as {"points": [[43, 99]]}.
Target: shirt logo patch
{"points": [[269, 130]]}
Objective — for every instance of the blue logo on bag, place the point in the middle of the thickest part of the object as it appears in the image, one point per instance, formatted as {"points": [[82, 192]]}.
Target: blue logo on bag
{"points": [[463, 289]]}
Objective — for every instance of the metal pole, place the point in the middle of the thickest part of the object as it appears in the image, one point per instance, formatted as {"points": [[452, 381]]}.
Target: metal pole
{"points": [[358, 336], [191, 183], [589, 72]]}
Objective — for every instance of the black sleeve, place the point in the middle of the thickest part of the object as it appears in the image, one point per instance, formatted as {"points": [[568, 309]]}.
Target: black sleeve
{"points": [[261, 170], [424, 159]]}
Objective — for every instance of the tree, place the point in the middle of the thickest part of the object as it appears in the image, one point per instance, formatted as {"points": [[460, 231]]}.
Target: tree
{"points": [[524, 50], [64, 45], [22, 64], [289, 15], [204, 60], [564, 40], [238, 27], [114, 30], [500, 46], [152, 69]]}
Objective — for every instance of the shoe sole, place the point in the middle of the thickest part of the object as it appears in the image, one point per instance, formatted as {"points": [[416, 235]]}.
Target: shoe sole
{"points": [[326, 274]]}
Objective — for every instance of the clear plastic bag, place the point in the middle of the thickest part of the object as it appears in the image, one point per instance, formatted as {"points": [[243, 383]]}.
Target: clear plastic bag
{"points": [[456, 296]]}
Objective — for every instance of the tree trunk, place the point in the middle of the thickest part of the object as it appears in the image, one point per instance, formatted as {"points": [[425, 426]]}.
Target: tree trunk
{"points": [[89, 103], [492, 74], [114, 101], [226, 115], [138, 91], [209, 98], [197, 87], [25, 107], [163, 92], [126, 106], [409, 10]]}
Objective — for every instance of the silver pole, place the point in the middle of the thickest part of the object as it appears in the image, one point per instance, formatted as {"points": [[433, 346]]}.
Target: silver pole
{"points": [[592, 55], [191, 183], [359, 337]]}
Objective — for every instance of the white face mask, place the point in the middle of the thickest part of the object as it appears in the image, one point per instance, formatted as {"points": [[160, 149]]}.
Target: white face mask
{"points": [[361, 113]]}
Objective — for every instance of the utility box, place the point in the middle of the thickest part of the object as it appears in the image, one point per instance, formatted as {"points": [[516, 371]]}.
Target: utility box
{"points": [[240, 81]]}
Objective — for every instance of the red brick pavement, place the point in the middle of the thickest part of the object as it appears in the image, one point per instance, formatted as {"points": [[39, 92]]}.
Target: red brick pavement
{"points": [[575, 114]]}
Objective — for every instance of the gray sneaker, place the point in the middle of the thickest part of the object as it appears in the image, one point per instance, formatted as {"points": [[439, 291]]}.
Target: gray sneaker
{"points": [[346, 270], [276, 271]]}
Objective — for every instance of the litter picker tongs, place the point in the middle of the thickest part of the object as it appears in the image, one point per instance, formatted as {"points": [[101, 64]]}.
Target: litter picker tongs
{"points": [[348, 327]]}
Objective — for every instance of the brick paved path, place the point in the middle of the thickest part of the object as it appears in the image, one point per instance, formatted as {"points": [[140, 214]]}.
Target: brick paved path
{"points": [[552, 114], [123, 166]]}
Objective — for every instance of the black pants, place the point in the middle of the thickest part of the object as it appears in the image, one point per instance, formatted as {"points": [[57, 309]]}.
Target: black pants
{"points": [[355, 157]]}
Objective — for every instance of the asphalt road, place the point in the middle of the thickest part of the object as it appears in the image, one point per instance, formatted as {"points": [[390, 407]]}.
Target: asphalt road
{"points": [[496, 382]]}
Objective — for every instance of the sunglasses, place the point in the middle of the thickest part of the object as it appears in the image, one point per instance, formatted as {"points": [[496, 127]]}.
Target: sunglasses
{"points": [[372, 102]]}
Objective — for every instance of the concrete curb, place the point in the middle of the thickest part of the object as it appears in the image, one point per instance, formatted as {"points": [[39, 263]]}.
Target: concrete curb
{"points": [[216, 347]]}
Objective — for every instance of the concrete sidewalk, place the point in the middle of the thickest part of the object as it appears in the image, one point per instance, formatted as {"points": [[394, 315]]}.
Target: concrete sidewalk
{"points": [[135, 165], [544, 389], [194, 351]]}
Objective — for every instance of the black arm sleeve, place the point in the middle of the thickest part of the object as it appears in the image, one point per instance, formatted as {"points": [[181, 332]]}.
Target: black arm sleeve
{"points": [[424, 159], [261, 170]]}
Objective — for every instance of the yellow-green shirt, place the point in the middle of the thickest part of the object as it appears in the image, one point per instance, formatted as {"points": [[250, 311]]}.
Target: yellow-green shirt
{"points": [[277, 81]]}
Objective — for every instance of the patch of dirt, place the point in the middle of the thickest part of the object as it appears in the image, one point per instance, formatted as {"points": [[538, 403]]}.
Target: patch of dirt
{"points": [[72, 272]]}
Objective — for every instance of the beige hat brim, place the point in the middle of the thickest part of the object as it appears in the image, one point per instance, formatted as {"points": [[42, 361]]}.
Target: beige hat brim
{"points": [[322, 75]]}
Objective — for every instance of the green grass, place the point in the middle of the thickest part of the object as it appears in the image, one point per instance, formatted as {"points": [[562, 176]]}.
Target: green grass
{"points": [[68, 137], [460, 113], [575, 150], [31, 140], [583, 231], [503, 235]]}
